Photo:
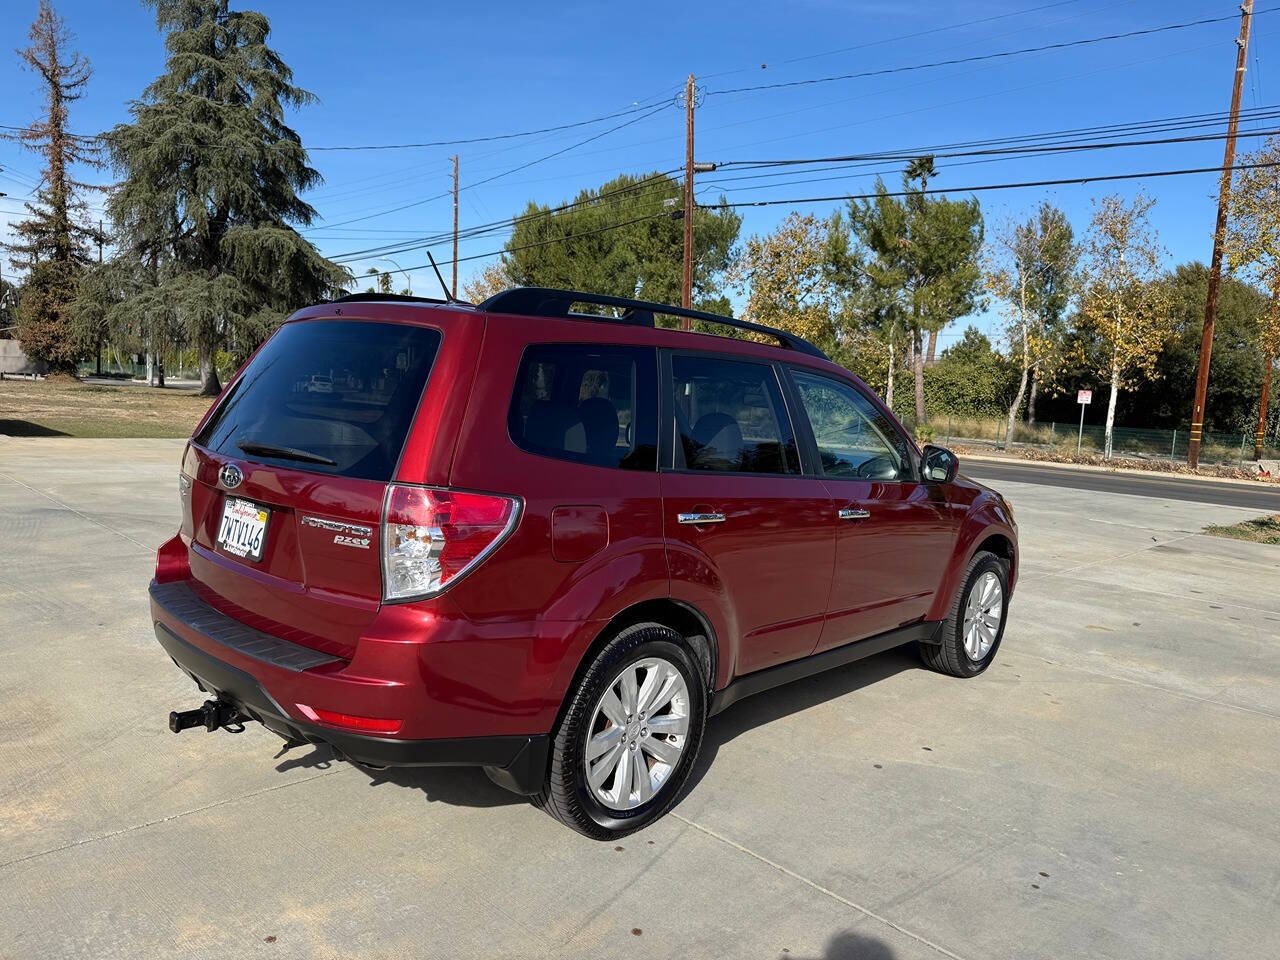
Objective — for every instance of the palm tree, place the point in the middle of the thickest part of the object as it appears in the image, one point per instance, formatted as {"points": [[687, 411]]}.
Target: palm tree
{"points": [[922, 169]]}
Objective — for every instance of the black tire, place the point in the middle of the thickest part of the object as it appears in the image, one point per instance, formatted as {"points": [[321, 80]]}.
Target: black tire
{"points": [[566, 795], [950, 656]]}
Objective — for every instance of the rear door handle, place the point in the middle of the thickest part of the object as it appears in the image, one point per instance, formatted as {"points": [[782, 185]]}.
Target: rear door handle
{"points": [[853, 513], [698, 519]]}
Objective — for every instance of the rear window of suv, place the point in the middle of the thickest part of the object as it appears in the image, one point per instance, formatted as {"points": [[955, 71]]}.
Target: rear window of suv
{"points": [[332, 396], [588, 404]]}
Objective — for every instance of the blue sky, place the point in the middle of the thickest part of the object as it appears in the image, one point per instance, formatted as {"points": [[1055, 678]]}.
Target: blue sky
{"points": [[401, 72]]}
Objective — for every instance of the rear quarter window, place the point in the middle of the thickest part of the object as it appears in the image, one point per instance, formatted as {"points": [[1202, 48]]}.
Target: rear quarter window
{"points": [[342, 391], [587, 404]]}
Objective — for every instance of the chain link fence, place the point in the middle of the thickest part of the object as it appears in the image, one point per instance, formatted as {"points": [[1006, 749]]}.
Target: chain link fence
{"points": [[1223, 447]]}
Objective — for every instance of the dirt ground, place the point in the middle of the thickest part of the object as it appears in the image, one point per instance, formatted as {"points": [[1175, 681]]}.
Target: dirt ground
{"points": [[52, 408]]}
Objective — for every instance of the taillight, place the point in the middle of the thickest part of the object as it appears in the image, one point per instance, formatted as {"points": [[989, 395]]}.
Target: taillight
{"points": [[431, 537]]}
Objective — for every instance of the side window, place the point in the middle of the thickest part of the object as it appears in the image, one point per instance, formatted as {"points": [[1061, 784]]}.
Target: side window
{"points": [[589, 404], [730, 417], [854, 438]]}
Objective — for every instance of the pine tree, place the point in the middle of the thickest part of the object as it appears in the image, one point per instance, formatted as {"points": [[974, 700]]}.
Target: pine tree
{"points": [[52, 243], [212, 177]]}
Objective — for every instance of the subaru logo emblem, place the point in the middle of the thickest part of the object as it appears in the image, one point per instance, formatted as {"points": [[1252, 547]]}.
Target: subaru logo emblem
{"points": [[230, 476]]}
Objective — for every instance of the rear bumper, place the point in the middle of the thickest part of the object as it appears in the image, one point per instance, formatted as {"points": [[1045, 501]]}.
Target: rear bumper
{"points": [[517, 762]]}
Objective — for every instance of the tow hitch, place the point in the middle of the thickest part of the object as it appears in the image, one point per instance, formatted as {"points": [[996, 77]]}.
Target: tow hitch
{"points": [[212, 715]]}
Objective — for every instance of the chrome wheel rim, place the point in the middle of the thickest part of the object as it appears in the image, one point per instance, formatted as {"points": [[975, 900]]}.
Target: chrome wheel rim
{"points": [[638, 734], [982, 614]]}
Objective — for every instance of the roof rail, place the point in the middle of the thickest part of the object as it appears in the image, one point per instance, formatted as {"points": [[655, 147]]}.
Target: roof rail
{"points": [[368, 297], [548, 302]]}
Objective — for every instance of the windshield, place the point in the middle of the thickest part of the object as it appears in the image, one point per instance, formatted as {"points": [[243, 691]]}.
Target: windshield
{"points": [[373, 374]]}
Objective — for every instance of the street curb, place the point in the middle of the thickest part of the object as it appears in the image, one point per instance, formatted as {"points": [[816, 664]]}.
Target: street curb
{"points": [[1090, 468]]}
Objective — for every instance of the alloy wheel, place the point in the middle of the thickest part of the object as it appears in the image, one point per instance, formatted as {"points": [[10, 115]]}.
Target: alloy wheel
{"points": [[638, 733]]}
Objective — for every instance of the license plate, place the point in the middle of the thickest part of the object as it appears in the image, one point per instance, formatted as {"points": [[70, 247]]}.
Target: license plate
{"points": [[243, 531]]}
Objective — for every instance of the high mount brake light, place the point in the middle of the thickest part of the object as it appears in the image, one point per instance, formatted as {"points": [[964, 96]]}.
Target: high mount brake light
{"points": [[431, 537]]}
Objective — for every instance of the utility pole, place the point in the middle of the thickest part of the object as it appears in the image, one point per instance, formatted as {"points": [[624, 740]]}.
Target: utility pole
{"points": [[686, 296], [455, 226], [1215, 265]]}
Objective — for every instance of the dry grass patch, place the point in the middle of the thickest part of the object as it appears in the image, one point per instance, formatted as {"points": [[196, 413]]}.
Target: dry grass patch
{"points": [[1257, 530], [65, 407]]}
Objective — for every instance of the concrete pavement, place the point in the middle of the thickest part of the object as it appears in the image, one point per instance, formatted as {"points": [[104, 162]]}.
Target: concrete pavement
{"points": [[1109, 788]]}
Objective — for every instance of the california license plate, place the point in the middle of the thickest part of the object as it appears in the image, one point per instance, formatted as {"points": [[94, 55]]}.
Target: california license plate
{"points": [[243, 531]]}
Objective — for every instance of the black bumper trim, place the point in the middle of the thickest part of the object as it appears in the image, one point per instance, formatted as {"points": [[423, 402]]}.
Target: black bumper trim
{"points": [[518, 763], [180, 601]]}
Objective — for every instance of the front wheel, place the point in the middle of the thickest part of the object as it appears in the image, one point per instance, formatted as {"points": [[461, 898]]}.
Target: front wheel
{"points": [[972, 632], [629, 736]]}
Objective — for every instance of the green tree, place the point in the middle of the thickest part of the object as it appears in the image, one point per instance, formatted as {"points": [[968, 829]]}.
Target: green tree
{"points": [[970, 379], [1124, 309], [52, 242], [1051, 286], [797, 278], [10, 294], [212, 177], [921, 256], [1022, 257], [1252, 245], [1167, 397], [622, 240]]}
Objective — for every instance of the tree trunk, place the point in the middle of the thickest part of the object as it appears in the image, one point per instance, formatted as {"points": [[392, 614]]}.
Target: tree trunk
{"points": [[933, 347], [888, 391], [160, 370], [1013, 410], [1031, 401], [919, 370], [1111, 408], [1262, 413], [207, 352]]}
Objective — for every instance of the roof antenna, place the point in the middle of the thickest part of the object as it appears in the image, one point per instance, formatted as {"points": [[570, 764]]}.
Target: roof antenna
{"points": [[448, 297]]}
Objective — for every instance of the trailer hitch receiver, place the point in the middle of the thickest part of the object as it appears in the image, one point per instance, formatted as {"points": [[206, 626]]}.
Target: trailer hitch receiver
{"points": [[212, 715]]}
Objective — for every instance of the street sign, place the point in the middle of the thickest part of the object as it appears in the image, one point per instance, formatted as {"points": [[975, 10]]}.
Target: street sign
{"points": [[1083, 397]]}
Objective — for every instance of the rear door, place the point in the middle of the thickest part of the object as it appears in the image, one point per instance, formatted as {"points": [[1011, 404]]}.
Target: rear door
{"points": [[289, 480], [743, 525], [894, 534]]}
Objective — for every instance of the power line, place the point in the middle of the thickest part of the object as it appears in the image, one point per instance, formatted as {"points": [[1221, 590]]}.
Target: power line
{"points": [[497, 225], [1067, 181], [883, 71], [904, 36], [1099, 178], [999, 149], [498, 176], [488, 139]]}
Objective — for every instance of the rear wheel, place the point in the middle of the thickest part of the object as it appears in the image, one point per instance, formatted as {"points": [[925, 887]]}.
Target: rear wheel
{"points": [[972, 632], [629, 736]]}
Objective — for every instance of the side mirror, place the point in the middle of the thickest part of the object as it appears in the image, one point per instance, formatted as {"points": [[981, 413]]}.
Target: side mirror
{"points": [[940, 464]]}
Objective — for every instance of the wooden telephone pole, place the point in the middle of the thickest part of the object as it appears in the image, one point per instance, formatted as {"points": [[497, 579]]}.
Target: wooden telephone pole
{"points": [[686, 296], [1215, 265], [455, 226]]}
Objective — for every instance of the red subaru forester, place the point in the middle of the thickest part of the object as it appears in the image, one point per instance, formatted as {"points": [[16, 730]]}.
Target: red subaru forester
{"points": [[553, 543]]}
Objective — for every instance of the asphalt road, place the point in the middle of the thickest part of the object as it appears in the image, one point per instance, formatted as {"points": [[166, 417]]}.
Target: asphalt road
{"points": [[1171, 487]]}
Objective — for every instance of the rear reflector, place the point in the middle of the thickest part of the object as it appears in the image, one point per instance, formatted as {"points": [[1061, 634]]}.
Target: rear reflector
{"points": [[431, 537], [351, 722]]}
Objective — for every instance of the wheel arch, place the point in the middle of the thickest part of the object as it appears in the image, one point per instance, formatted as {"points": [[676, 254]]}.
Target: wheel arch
{"points": [[983, 529], [683, 617]]}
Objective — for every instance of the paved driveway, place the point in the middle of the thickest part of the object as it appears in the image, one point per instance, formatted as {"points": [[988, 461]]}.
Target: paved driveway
{"points": [[1110, 788]]}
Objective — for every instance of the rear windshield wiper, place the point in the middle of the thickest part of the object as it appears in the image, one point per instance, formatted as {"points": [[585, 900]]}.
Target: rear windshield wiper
{"points": [[283, 453]]}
